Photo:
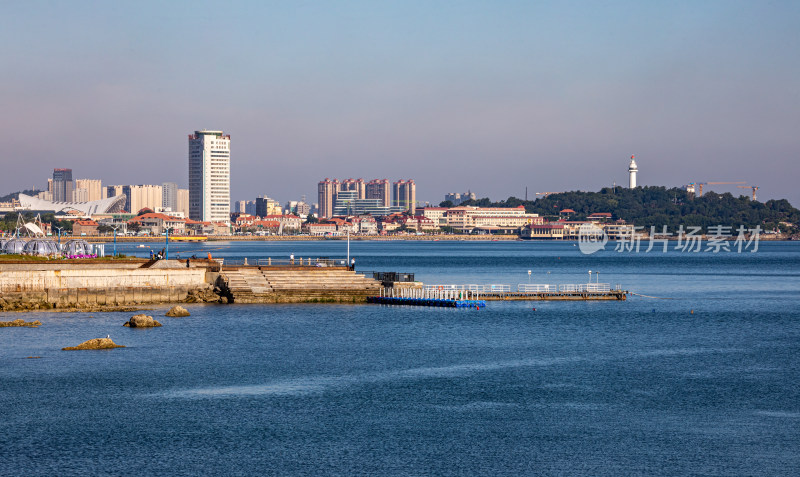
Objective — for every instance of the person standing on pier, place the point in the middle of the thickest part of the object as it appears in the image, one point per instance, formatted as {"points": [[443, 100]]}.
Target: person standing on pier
{"points": [[291, 258], [353, 264]]}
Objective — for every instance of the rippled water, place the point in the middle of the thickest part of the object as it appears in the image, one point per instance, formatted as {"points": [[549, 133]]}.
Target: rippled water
{"points": [[643, 387]]}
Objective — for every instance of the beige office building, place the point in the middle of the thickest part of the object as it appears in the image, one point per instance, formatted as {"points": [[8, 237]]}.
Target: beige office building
{"points": [[183, 202], [143, 196], [94, 188]]}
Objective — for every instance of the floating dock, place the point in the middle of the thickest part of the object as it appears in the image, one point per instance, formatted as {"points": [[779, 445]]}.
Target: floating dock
{"points": [[444, 303], [503, 292], [620, 295]]}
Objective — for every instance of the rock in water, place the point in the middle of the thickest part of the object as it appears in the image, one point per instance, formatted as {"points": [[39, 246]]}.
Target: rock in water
{"points": [[177, 312], [141, 321], [97, 343], [20, 322]]}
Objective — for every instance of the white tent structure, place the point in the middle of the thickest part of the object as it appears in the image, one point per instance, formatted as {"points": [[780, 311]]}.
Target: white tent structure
{"points": [[34, 229], [103, 206]]}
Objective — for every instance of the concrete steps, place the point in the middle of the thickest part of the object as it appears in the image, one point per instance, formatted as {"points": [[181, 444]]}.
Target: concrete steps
{"points": [[247, 282], [265, 284]]}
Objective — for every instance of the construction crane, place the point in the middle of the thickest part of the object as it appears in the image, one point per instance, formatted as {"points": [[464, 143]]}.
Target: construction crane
{"points": [[755, 188], [701, 184]]}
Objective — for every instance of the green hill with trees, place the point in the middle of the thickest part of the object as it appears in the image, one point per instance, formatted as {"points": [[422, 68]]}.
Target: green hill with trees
{"points": [[659, 206]]}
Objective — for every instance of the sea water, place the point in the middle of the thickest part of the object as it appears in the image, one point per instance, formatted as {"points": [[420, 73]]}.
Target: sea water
{"points": [[702, 380]]}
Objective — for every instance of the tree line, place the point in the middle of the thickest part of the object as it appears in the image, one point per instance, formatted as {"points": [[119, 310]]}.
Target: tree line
{"points": [[659, 206]]}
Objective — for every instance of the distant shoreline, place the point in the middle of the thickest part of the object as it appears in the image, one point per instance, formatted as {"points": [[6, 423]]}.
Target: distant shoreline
{"points": [[392, 238], [306, 238]]}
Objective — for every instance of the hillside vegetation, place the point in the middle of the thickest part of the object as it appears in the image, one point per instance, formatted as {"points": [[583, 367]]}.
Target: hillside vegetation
{"points": [[659, 206]]}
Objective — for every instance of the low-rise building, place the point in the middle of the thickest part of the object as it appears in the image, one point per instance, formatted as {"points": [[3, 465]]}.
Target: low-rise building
{"points": [[436, 214], [84, 227], [320, 229], [418, 223], [365, 225], [289, 221], [599, 217], [157, 224], [197, 227], [551, 231], [467, 219], [618, 230]]}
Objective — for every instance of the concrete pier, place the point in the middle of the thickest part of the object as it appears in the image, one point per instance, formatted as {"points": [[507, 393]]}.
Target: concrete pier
{"points": [[293, 284]]}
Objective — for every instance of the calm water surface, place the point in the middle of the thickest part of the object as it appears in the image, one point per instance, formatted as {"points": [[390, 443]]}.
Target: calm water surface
{"points": [[642, 387]]}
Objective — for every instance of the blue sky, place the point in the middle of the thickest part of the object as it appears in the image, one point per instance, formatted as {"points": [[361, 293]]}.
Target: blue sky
{"points": [[487, 96]]}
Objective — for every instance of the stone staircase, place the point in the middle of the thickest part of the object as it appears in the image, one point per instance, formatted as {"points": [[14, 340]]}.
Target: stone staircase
{"points": [[298, 284], [247, 285]]}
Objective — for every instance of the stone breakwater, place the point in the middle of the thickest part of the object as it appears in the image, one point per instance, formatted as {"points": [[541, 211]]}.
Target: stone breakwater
{"points": [[103, 285], [108, 285]]}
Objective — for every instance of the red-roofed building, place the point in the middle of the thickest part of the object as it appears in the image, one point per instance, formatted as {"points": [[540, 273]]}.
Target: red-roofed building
{"points": [[157, 224], [84, 227], [196, 227], [321, 229], [289, 221], [221, 228], [599, 217]]}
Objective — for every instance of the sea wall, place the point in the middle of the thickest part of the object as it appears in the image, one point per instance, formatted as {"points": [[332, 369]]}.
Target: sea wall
{"points": [[98, 279], [50, 285]]}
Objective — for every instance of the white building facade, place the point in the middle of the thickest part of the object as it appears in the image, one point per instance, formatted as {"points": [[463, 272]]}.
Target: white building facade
{"points": [[210, 176]]}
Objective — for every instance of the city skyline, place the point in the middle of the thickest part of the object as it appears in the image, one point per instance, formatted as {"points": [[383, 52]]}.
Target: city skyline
{"points": [[493, 98]]}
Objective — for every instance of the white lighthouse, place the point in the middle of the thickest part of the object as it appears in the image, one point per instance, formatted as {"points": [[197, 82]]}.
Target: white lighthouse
{"points": [[632, 170]]}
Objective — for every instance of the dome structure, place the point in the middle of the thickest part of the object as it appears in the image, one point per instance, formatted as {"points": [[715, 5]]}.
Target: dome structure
{"points": [[14, 246], [77, 247], [41, 247]]}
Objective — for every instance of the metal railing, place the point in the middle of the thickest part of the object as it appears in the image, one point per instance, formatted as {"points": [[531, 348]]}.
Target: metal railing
{"points": [[283, 262], [300, 261], [525, 288], [390, 276], [472, 287], [430, 293], [585, 287], [536, 288]]}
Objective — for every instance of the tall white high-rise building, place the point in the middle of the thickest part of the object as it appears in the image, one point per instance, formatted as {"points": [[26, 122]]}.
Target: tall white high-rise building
{"points": [[169, 198], [210, 176], [632, 170]]}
